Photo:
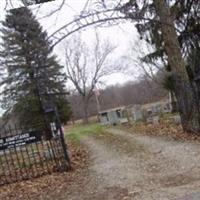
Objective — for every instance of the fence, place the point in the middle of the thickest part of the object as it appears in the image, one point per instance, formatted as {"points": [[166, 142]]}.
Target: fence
{"points": [[26, 153]]}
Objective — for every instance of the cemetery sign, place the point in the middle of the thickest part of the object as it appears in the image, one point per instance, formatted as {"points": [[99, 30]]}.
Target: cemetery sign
{"points": [[19, 140]]}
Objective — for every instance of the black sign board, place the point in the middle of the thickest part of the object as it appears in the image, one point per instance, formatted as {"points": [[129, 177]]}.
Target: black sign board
{"points": [[19, 140]]}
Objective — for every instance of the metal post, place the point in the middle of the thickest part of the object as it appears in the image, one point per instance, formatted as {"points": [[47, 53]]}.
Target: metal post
{"points": [[64, 146]]}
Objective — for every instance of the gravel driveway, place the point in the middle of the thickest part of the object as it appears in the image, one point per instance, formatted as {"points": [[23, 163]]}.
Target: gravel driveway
{"points": [[127, 166]]}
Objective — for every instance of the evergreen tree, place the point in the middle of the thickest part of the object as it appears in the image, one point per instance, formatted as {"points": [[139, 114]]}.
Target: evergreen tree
{"points": [[30, 69]]}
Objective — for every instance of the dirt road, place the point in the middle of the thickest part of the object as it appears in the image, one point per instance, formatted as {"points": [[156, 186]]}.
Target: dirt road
{"points": [[127, 166]]}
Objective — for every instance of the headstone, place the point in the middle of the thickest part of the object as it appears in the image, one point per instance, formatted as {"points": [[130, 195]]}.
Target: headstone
{"points": [[156, 120], [176, 119], [137, 113]]}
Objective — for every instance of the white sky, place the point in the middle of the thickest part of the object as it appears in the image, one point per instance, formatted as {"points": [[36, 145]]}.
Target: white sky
{"points": [[118, 35]]}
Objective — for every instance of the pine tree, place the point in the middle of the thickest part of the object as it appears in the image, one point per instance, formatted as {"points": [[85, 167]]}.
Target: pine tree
{"points": [[30, 69]]}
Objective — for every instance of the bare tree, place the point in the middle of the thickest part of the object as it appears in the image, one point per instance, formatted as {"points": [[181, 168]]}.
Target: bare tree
{"points": [[140, 12], [85, 67], [135, 92]]}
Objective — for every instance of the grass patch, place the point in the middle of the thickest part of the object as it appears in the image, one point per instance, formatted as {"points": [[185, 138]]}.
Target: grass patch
{"points": [[79, 131]]}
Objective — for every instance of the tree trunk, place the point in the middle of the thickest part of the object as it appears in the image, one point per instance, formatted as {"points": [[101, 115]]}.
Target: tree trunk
{"points": [[85, 110], [185, 91]]}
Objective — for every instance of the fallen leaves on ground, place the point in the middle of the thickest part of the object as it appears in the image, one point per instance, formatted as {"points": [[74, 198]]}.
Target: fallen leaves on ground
{"points": [[48, 186], [164, 128]]}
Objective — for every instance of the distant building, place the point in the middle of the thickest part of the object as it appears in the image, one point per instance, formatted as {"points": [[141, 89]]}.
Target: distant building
{"points": [[148, 112], [113, 116], [155, 108]]}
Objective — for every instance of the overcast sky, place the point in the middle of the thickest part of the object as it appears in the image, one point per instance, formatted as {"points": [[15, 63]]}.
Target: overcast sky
{"points": [[118, 35]]}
